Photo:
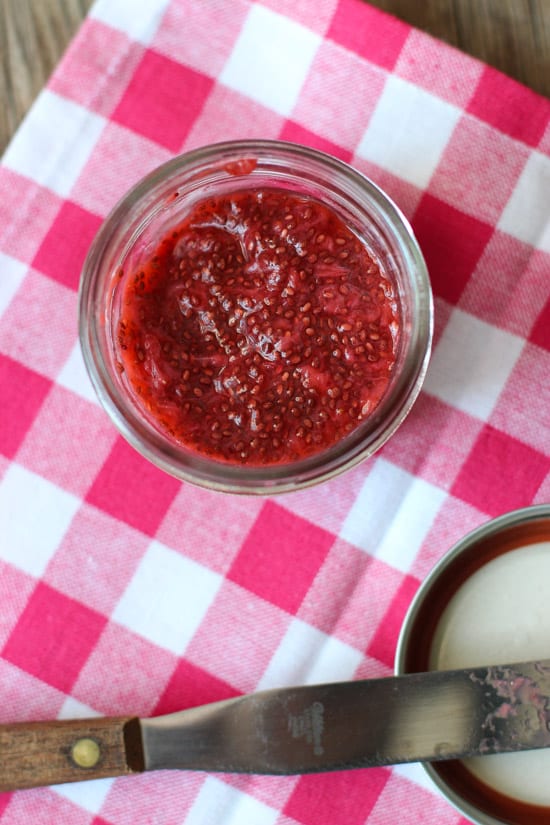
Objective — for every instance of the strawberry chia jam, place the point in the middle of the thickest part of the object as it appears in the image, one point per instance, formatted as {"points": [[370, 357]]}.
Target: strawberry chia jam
{"points": [[260, 331]]}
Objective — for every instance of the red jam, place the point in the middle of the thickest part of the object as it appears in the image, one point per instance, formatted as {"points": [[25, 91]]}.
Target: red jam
{"points": [[260, 331]]}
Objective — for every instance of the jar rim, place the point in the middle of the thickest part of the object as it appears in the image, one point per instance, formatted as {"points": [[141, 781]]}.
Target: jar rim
{"points": [[282, 156]]}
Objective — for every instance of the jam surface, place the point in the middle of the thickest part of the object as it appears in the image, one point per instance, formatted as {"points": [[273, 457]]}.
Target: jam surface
{"points": [[260, 331]]}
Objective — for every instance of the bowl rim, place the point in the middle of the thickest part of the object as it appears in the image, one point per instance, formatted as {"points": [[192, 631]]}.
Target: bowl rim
{"points": [[512, 524]]}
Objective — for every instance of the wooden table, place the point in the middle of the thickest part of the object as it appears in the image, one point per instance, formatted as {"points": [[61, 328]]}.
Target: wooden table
{"points": [[512, 35]]}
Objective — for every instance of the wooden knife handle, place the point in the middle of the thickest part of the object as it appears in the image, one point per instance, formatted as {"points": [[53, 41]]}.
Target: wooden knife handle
{"points": [[33, 754]]}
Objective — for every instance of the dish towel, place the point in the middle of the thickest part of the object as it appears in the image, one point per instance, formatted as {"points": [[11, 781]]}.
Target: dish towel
{"points": [[124, 591]]}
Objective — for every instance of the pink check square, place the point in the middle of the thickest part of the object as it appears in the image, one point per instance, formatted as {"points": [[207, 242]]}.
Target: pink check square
{"points": [[540, 333], [5, 800], [16, 587], [368, 32], [280, 547], [238, 637], [501, 473], [544, 145], [406, 195], [214, 531], [4, 465], [452, 243], [336, 583], [384, 642], [205, 54], [13, 276], [23, 393], [52, 808], [65, 417], [523, 408], [48, 618], [331, 502], [409, 802], [350, 595], [118, 160], [123, 671], [438, 68], [339, 95], [163, 100], [46, 310], [33, 203], [322, 799], [83, 563], [190, 686], [510, 107], [295, 133], [315, 14], [230, 115], [435, 442], [123, 487], [455, 520], [477, 160], [64, 248], [168, 791], [515, 300], [97, 67], [25, 698], [271, 790]]}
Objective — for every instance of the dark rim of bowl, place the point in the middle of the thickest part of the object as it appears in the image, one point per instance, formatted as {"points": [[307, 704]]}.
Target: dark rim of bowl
{"points": [[519, 528]]}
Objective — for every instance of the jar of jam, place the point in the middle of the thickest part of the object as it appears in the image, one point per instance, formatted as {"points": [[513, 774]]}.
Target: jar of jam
{"points": [[256, 317]]}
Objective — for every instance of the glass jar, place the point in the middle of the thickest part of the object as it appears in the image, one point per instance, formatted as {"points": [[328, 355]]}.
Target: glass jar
{"points": [[132, 232]]}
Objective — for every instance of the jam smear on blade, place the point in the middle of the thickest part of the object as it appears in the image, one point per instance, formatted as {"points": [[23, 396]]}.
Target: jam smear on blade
{"points": [[260, 332]]}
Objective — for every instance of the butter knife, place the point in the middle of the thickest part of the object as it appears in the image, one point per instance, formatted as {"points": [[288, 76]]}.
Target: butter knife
{"points": [[295, 730]]}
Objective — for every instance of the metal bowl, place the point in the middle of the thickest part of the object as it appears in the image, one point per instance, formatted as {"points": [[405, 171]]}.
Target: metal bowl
{"points": [[419, 649]]}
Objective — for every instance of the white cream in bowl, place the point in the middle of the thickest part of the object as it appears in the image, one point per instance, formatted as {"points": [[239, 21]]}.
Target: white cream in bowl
{"points": [[501, 615]]}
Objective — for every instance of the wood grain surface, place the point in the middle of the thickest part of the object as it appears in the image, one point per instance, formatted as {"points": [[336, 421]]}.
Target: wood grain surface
{"points": [[47, 753], [512, 35]]}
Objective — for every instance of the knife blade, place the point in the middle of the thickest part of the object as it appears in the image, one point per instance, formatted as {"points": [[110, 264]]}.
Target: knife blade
{"points": [[296, 730]]}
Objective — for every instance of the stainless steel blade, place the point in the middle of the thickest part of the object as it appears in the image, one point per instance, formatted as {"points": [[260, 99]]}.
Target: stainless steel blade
{"points": [[418, 717]]}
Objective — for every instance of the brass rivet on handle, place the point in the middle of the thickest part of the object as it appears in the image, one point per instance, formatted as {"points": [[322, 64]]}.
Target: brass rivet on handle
{"points": [[85, 753]]}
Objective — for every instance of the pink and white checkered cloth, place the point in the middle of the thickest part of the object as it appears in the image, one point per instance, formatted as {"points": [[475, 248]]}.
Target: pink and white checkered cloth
{"points": [[123, 591]]}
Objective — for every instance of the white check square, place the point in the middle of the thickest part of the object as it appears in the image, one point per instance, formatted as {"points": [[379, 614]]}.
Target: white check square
{"points": [[527, 213], [306, 656], [374, 507], [35, 515], [392, 515], [271, 59], [12, 273], [88, 795], [471, 364], [74, 376], [414, 772], [408, 131], [167, 598], [409, 527], [217, 802], [137, 19], [54, 143], [73, 709]]}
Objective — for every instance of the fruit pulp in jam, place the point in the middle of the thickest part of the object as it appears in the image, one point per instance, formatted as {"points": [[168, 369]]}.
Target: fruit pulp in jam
{"points": [[261, 331]]}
